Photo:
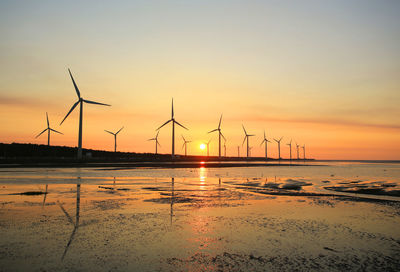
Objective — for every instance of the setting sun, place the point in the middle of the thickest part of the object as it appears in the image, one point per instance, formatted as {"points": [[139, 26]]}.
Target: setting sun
{"points": [[202, 146]]}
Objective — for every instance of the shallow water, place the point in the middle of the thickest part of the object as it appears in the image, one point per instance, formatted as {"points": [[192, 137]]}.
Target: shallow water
{"points": [[334, 217]]}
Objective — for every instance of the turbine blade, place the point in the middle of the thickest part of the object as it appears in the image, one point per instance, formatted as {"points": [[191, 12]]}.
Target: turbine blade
{"points": [[56, 131], [244, 130], [152, 139], [109, 132], [41, 132], [164, 124], [281, 139], [157, 134], [119, 130], [244, 140], [180, 125], [275, 140], [47, 117], [96, 103], [172, 111], [219, 125], [262, 142], [213, 130], [222, 136], [183, 138], [251, 135], [73, 107], [76, 87], [158, 143]]}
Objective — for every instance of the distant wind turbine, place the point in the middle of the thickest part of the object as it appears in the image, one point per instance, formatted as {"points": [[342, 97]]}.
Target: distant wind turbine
{"points": [[225, 148], [115, 137], [246, 137], [304, 151], [238, 151], [266, 141], [219, 136], [173, 128], [290, 148], [297, 149], [208, 147], [156, 140], [80, 102], [48, 129], [185, 144], [279, 147]]}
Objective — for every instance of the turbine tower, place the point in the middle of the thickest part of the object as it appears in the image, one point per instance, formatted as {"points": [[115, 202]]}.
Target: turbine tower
{"points": [[266, 141], [238, 151], [185, 144], [246, 137], [156, 141], [279, 147], [290, 148], [297, 149], [80, 102], [304, 151], [219, 136], [48, 129], [115, 137], [224, 147], [173, 128]]}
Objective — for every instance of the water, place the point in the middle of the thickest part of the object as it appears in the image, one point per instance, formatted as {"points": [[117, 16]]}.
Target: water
{"points": [[327, 217]]}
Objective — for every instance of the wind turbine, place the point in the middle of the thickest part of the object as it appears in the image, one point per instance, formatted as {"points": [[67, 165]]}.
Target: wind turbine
{"points": [[279, 147], [246, 137], [304, 151], [80, 102], [185, 144], [156, 140], [266, 141], [297, 148], [219, 136], [224, 147], [115, 137], [48, 129], [290, 147], [238, 151], [173, 128], [208, 145]]}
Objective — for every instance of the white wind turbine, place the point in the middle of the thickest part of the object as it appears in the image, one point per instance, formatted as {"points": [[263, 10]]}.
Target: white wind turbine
{"points": [[80, 102], [297, 149], [115, 137], [173, 128], [279, 147], [185, 144], [219, 136], [266, 141], [290, 148], [48, 129], [156, 140], [247, 137], [304, 151]]}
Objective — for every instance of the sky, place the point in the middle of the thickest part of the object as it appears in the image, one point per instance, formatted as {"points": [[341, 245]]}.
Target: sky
{"points": [[322, 73]]}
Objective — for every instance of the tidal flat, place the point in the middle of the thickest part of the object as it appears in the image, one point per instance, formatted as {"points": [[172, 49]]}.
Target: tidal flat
{"points": [[340, 216]]}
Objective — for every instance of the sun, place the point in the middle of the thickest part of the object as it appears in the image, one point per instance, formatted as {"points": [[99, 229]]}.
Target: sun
{"points": [[202, 146]]}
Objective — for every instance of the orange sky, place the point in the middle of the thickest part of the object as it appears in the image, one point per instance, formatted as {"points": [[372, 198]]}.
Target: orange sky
{"points": [[324, 75]]}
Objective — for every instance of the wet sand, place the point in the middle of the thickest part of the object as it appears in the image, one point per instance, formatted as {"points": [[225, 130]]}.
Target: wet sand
{"points": [[200, 220]]}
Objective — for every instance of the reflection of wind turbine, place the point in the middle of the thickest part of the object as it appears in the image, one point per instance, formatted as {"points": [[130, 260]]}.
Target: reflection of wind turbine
{"points": [[297, 148], [290, 148], [246, 137], [173, 128], [156, 140], [48, 130], [279, 147], [45, 195], [219, 136], [185, 144], [115, 137], [76, 223], [80, 102], [266, 141], [172, 198], [304, 151]]}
